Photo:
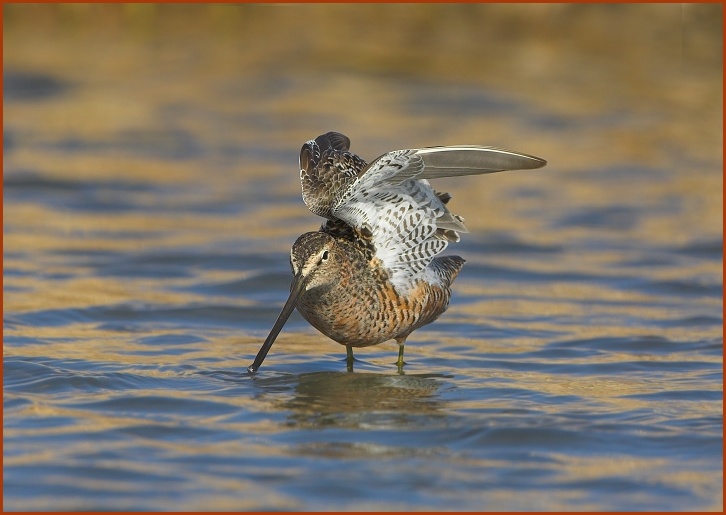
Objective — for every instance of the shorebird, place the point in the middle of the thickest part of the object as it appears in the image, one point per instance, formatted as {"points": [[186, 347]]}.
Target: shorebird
{"points": [[371, 272]]}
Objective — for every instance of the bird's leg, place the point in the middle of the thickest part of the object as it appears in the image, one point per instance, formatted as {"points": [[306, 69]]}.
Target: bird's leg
{"points": [[349, 357], [400, 362]]}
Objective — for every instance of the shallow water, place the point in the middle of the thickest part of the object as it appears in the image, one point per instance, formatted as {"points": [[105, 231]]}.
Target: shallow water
{"points": [[151, 197]]}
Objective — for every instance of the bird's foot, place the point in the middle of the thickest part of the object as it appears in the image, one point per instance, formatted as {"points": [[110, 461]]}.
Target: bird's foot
{"points": [[349, 359], [400, 363]]}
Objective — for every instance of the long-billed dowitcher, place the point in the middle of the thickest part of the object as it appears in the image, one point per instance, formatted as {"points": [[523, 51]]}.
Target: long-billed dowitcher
{"points": [[371, 274]]}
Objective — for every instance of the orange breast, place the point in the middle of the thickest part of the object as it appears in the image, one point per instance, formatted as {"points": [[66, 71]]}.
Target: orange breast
{"points": [[368, 312]]}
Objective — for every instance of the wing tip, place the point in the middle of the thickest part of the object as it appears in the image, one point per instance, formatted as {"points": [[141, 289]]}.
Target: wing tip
{"points": [[492, 159], [534, 162]]}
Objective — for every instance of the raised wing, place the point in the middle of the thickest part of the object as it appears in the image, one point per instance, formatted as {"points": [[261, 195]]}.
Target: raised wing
{"points": [[327, 169], [410, 224], [458, 160]]}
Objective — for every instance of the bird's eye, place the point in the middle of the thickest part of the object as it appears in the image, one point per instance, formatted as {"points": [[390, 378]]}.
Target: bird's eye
{"points": [[324, 257]]}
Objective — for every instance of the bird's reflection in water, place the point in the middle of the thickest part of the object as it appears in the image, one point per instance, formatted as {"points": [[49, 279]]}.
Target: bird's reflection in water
{"points": [[342, 399]]}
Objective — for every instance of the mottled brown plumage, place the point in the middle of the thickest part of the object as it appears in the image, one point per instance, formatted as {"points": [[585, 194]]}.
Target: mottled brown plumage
{"points": [[371, 273], [354, 302]]}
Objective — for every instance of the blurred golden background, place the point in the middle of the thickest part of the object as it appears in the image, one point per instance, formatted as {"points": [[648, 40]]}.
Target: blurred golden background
{"points": [[238, 88]]}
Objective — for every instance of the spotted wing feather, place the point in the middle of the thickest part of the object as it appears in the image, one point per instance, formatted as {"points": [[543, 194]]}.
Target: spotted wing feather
{"points": [[409, 221], [327, 168]]}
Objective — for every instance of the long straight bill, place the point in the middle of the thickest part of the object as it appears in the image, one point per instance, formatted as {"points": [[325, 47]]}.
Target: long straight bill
{"points": [[298, 286]]}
